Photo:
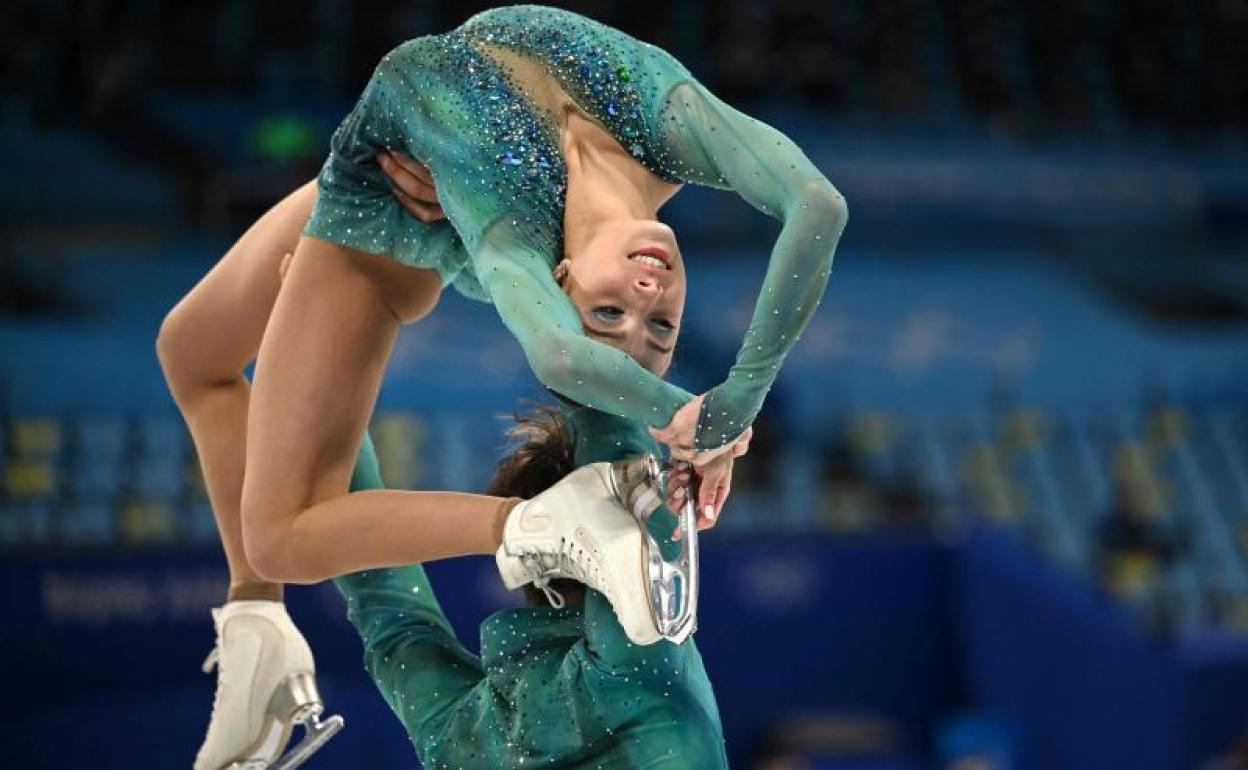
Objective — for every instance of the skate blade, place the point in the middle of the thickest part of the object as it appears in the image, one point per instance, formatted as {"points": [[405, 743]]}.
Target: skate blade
{"points": [[316, 734], [672, 587], [297, 701]]}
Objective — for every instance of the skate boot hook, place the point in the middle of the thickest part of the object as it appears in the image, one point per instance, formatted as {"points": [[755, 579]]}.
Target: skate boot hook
{"points": [[672, 586]]}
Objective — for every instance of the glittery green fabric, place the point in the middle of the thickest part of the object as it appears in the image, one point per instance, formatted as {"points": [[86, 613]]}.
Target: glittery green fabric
{"points": [[553, 688], [453, 102]]}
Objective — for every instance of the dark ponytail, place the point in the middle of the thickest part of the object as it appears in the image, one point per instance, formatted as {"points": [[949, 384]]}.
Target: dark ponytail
{"points": [[544, 454]]}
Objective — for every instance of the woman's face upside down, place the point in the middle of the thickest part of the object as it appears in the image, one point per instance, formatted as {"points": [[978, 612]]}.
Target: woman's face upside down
{"points": [[628, 284]]}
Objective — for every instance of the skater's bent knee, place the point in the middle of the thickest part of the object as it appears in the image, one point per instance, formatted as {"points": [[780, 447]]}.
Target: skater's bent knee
{"points": [[170, 339], [267, 557], [175, 348], [273, 552], [174, 344], [180, 350]]}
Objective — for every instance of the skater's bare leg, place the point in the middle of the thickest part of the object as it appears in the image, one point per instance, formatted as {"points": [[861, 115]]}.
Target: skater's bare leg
{"points": [[317, 376], [204, 345]]}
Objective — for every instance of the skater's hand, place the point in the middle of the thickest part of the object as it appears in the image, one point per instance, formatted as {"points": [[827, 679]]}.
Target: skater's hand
{"points": [[712, 485], [413, 186], [679, 487], [680, 432], [715, 479]]}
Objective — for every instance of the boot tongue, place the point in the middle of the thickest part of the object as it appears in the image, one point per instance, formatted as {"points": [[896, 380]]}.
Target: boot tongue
{"points": [[600, 437]]}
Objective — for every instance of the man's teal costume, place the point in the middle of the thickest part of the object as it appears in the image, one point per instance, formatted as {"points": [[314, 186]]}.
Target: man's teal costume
{"points": [[557, 687], [553, 688]]}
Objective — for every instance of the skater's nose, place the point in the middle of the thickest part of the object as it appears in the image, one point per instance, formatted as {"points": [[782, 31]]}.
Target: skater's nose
{"points": [[647, 287]]}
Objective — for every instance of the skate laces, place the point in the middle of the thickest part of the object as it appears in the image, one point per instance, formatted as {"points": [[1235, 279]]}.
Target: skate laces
{"points": [[554, 597], [568, 561], [211, 662]]}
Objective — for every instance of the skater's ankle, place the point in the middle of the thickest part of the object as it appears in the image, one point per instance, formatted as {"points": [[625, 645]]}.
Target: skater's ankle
{"points": [[255, 590], [500, 518]]}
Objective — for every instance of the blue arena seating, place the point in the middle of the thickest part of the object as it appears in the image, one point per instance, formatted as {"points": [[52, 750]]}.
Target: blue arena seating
{"points": [[893, 432]]}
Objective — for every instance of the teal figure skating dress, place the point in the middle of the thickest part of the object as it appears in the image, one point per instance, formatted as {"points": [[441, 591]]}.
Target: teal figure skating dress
{"points": [[553, 688], [475, 106]]}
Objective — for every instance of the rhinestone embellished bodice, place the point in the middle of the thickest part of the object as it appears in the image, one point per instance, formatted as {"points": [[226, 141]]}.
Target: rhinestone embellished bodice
{"points": [[475, 106], [505, 155]]}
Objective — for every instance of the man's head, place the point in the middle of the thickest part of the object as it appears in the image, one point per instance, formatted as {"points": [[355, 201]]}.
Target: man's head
{"points": [[628, 284]]}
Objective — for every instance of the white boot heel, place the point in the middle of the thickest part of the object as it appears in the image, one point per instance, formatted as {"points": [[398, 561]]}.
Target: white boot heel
{"points": [[297, 701]]}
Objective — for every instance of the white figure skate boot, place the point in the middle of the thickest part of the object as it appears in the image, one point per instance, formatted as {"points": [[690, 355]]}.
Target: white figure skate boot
{"points": [[580, 529], [265, 685]]}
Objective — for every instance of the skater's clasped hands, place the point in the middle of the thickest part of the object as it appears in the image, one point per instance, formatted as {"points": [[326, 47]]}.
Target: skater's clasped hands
{"points": [[712, 469]]}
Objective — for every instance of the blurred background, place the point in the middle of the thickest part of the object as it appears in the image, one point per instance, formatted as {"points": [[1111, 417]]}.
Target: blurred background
{"points": [[995, 516]]}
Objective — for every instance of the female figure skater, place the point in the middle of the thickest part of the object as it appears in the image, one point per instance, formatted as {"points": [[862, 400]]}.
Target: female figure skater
{"points": [[553, 687], [553, 141]]}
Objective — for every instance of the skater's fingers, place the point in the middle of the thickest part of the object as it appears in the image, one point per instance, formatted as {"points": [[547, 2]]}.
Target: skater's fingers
{"points": [[413, 186], [677, 494], [708, 480], [679, 490], [709, 503], [682, 489], [679, 478], [425, 212], [721, 495], [412, 177], [413, 167], [714, 493]]}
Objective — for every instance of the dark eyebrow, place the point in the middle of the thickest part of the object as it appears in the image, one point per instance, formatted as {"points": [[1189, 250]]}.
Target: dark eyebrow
{"points": [[617, 335], [599, 332]]}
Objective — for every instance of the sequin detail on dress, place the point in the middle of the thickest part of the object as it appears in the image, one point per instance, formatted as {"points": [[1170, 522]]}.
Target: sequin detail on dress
{"points": [[451, 102]]}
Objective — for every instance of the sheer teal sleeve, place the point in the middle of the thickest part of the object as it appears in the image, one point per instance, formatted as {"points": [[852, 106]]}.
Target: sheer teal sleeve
{"points": [[714, 144], [548, 327]]}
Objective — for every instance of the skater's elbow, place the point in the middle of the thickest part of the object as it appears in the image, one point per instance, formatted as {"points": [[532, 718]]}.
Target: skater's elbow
{"points": [[824, 201], [552, 363]]}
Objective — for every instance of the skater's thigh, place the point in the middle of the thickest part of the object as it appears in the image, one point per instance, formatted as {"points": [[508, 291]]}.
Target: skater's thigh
{"points": [[221, 321], [317, 374]]}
